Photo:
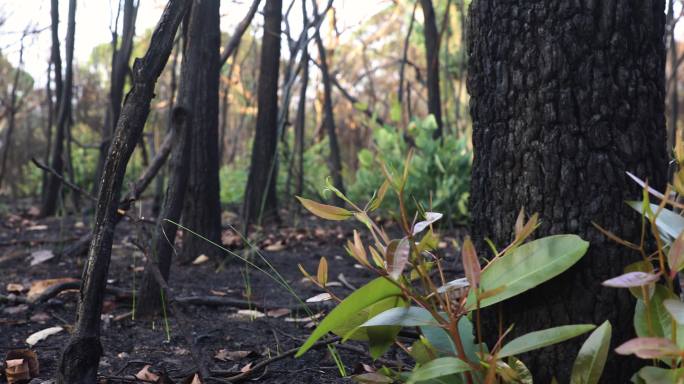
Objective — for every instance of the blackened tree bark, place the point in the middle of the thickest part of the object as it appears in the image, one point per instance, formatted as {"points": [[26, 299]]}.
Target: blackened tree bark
{"points": [[149, 303], [260, 194], [334, 162], [565, 98], [55, 55], [51, 197], [200, 81], [121, 55], [432, 62], [81, 356], [300, 121]]}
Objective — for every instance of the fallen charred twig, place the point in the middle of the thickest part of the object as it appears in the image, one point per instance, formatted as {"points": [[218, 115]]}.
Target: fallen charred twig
{"points": [[55, 290], [217, 301], [265, 363]]}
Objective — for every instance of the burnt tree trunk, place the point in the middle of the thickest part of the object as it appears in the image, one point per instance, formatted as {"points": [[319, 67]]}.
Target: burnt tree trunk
{"points": [[565, 98], [49, 206], [300, 122], [432, 63], [260, 194], [80, 359], [120, 58], [199, 83], [149, 303], [334, 162]]}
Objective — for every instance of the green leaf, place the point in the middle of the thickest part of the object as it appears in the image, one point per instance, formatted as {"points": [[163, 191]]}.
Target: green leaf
{"points": [[524, 376], [591, 358], [543, 338], [660, 317], [442, 366], [374, 291], [405, 317], [528, 266], [351, 329], [670, 225], [372, 378], [676, 309], [324, 211], [656, 375]]}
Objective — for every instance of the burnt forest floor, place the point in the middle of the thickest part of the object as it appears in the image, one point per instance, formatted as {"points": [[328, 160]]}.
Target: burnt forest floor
{"points": [[230, 337]]}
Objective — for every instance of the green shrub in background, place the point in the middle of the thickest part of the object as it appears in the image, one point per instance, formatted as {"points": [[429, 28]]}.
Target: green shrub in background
{"points": [[233, 177], [439, 170]]}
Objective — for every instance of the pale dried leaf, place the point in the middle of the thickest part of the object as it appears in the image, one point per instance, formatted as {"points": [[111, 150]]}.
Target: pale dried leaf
{"points": [[41, 256], [278, 312], [318, 298], [200, 259], [14, 288], [145, 374], [42, 335], [39, 286]]}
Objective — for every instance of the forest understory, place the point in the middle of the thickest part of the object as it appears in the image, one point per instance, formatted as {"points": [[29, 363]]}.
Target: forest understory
{"points": [[237, 316]]}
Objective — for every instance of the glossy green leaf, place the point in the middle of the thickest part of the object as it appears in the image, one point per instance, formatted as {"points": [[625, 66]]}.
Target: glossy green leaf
{"points": [[528, 266], [440, 367], [351, 329], [405, 317], [591, 358], [374, 291], [656, 375], [670, 225], [544, 338]]}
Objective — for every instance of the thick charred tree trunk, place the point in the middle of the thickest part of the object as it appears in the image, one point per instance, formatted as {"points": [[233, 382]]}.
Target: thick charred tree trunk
{"points": [[120, 59], [432, 61], [199, 83], [49, 206], [334, 162], [81, 356], [260, 195], [565, 98], [149, 303]]}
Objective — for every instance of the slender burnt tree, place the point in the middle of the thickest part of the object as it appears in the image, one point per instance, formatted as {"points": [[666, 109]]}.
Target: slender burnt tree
{"points": [[80, 359], [334, 162], [566, 97], [64, 90], [121, 56], [202, 207], [432, 63], [260, 194]]}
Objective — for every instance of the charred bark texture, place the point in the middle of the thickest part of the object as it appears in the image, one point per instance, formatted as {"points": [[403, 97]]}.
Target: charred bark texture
{"points": [[149, 303], [49, 206], [80, 358], [120, 59], [566, 96], [432, 63], [260, 194], [199, 92]]}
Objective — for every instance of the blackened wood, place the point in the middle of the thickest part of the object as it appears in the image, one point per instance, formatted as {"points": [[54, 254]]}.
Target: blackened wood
{"points": [[565, 98], [149, 303], [199, 93], [260, 194], [432, 62], [79, 361], [51, 196]]}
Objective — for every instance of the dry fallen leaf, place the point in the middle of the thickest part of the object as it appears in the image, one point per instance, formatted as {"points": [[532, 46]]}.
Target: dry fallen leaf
{"points": [[196, 379], [246, 368], [42, 335], [318, 298], [14, 288], [145, 374], [40, 317], [248, 314], [226, 355], [39, 227], [304, 319], [39, 286], [41, 256], [278, 312], [275, 247], [217, 293], [200, 259]]}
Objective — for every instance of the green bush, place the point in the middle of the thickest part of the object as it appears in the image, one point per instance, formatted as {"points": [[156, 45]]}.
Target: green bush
{"points": [[439, 170]]}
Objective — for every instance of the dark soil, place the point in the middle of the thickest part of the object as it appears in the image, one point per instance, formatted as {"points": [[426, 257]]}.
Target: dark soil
{"points": [[130, 344]]}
